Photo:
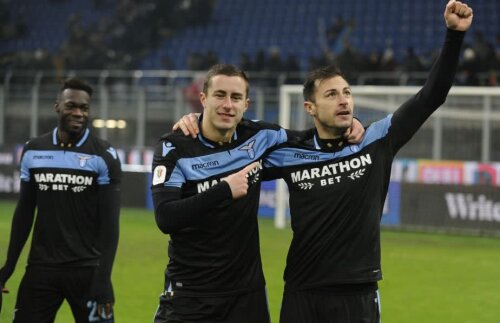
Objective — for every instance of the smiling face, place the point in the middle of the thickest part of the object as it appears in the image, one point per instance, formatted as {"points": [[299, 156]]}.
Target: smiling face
{"points": [[72, 108], [331, 106], [224, 103]]}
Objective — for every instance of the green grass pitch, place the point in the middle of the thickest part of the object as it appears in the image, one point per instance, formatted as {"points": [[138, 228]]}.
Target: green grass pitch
{"points": [[427, 277]]}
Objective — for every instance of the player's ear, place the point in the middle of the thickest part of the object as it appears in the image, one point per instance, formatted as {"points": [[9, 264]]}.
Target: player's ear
{"points": [[56, 106], [203, 99], [247, 104], [309, 107]]}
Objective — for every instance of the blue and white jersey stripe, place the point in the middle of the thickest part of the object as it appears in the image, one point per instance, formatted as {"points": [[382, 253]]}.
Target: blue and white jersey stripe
{"points": [[53, 159], [202, 167], [289, 156]]}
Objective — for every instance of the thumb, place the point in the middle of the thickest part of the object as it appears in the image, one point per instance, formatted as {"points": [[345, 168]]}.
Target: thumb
{"points": [[348, 132]]}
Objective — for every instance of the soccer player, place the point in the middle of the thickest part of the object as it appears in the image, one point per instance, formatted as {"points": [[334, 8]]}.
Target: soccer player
{"points": [[206, 193], [337, 189], [72, 179], [337, 193]]}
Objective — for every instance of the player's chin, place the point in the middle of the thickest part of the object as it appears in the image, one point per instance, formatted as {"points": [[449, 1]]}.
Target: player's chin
{"points": [[346, 123], [226, 125], [228, 122], [76, 129]]}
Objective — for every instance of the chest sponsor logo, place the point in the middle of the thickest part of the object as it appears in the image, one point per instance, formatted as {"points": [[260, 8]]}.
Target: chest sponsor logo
{"points": [[330, 174], [253, 177], [63, 182]]}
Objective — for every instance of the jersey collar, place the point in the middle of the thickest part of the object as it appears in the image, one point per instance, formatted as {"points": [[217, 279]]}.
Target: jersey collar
{"points": [[328, 144], [57, 142]]}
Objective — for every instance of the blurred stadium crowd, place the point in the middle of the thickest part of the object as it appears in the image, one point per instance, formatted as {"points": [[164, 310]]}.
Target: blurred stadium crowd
{"points": [[280, 36]]}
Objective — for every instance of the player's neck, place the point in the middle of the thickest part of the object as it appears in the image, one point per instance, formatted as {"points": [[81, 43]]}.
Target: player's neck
{"points": [[221, 136], [66, 137], [329, 133]]}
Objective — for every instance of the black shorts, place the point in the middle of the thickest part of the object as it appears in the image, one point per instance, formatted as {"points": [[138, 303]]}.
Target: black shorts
{"points": [[242, 308], [42, 291], [328, 307]]}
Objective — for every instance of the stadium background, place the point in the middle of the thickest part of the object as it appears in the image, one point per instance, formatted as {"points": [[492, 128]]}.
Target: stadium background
{"points": [[146, 60]]}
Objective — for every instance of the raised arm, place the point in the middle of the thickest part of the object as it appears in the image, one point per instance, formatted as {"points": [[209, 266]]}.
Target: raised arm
{"points": [[413, 113]]}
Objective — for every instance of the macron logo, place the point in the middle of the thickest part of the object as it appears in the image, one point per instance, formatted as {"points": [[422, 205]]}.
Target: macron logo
{"points": [[167, 147], [209, 164], [112, 152]]}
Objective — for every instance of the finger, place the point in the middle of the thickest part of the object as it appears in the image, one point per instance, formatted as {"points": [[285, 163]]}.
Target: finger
{"points": [[106, 310], [189, 123], [5, 290], [183, 128], [465, 11], [450, 7], [348, 132], [250, 167], [193, 118], [193, 122], [175, 126], [461, 10]]}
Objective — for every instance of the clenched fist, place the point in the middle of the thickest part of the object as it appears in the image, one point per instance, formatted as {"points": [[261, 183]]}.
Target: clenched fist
{"points": [[458, 16]]}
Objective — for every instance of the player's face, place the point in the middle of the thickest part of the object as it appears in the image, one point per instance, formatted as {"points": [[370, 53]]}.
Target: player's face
{"points": [[333, 107], [73, 109], [224, 104]]}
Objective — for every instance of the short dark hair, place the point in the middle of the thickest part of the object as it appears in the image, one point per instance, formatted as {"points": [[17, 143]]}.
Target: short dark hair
{"points": [[227, 70], [319, 74], [75, 83]]}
